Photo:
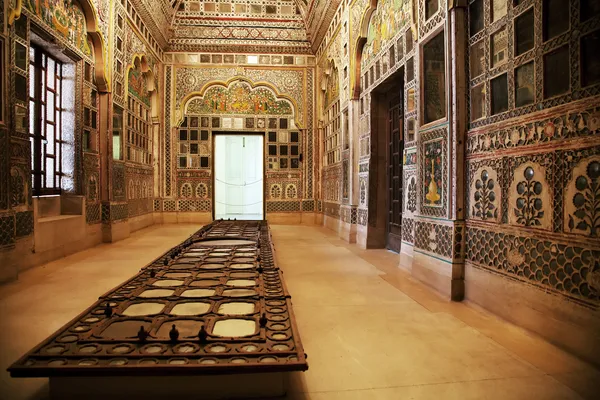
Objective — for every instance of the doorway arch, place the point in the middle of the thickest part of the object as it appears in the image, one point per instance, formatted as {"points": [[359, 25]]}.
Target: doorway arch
{"points": [[240, 106]]}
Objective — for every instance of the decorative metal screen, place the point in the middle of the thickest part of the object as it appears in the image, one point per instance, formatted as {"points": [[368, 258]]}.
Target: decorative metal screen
{"points": [[214, 304]]}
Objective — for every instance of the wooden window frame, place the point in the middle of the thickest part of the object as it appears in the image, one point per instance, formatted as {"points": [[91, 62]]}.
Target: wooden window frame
{"points": [[38, 133]]}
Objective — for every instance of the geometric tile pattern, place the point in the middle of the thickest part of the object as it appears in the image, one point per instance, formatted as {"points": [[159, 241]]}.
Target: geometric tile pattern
{"points": [[92, 213], [354, 215], [194, 205], [139, 207], [362, 216], [331, 209], [434, 238], [569, 269], [119, 211], [349, 214], [7, 230], [283, 206], [114, 212], [169, 205], [24, 223], [408, 230], [105, 212], [308, 205]]}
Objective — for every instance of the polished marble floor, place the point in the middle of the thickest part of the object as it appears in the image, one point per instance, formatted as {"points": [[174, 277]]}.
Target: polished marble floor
{"points": [[371, 332]]}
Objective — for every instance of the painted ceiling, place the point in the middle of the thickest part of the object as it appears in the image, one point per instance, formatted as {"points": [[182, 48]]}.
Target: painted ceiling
{"points": [[256, 26]]}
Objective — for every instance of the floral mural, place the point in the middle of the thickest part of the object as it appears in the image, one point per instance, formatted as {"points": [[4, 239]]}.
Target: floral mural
{"points": [[65, 17], [484, 202], [583, 201], [240, 98]]}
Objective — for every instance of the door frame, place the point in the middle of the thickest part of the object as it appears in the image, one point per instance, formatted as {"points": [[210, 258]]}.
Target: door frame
{"points": [[388, 161], [214, 172], [378, 201]]}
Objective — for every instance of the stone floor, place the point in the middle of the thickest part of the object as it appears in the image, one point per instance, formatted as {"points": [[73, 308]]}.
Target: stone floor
{"points": [[370, 331]]}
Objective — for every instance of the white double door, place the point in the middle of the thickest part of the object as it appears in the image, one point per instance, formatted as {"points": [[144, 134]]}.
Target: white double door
{"points": [[239, 176]]}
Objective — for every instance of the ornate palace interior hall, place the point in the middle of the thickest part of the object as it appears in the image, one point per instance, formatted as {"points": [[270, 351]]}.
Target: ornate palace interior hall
{"points": [[371, 331], [429, 171]]}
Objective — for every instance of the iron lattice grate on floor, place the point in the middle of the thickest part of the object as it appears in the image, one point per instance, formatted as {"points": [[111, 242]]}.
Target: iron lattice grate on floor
{"points": [[216, 303]]}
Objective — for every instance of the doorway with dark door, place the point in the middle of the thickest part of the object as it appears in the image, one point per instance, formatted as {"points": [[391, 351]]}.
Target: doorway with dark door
{"points": [[394, 172], [385, 165]]}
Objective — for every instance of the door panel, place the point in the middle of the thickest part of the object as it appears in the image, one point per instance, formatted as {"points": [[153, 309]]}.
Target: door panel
{"points": [[253, 174], [238, 176], [394, 172], [234, 180]]}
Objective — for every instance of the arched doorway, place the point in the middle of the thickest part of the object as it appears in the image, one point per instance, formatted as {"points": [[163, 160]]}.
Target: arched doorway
{"points": [[238, 112]]}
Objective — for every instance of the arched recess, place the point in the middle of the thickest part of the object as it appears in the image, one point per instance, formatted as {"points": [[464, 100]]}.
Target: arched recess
{"points": [[94, 35], [140, 61], [330, 84], [239, 105], [226, 84], [142, 104], [330, 137], [361, 40], [359, 45]]}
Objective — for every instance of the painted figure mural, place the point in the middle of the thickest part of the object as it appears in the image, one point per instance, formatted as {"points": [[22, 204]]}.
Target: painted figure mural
{"points": [[332, 91], [387, 20], [240, 98], [64, 17], [137, 85]]}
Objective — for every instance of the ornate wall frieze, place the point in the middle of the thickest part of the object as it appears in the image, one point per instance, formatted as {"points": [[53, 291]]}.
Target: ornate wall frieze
{"points": [[550, 129], [287, 81]]}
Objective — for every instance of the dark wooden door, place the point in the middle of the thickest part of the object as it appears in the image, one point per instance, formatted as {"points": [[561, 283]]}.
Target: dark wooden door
{"points": [[394, 172]]}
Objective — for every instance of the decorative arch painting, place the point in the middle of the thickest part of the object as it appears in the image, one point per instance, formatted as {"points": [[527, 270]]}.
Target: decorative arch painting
{"points": [[65, 17], [332, 90], [239, 98], [138, 86], [387, 20]]}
